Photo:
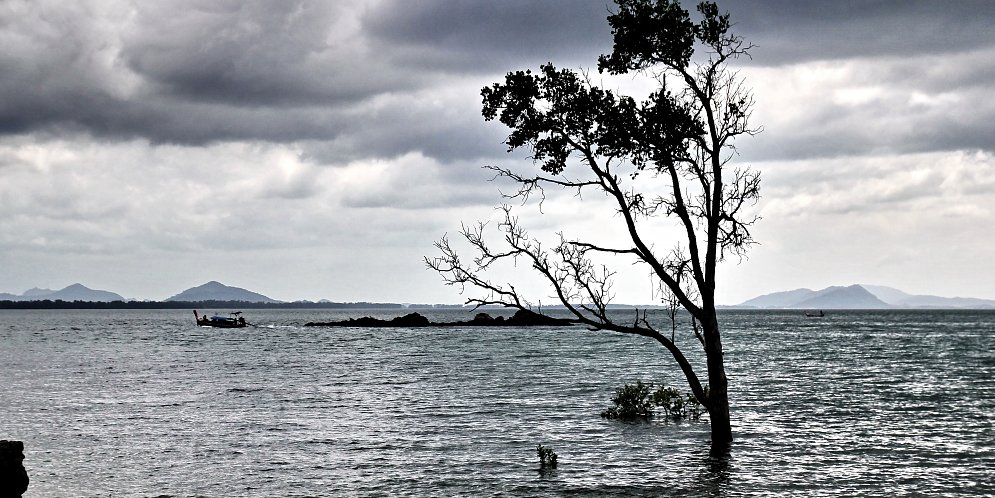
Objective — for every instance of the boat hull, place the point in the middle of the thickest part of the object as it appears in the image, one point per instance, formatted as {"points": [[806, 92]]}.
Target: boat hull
{"points": [[220, 324], [235, 321]]}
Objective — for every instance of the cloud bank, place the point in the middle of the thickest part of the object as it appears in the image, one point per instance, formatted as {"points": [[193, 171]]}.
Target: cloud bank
{"points": [[316, 149]]}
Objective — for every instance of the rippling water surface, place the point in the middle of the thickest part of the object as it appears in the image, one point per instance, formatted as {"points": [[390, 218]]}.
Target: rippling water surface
{"points": [[144, 403]]}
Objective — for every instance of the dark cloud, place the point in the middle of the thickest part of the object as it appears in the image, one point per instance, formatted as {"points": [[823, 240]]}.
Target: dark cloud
{"points": [[971, 70], [255, 53], [385, 79], [875, 130], [202, 72], [894, 105], [445, 128], [789, 31], [192, 73], [485, 36]]}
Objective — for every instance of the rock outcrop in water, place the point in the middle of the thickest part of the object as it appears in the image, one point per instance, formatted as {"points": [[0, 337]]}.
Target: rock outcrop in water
{"points": [[13, 476], [521, 318]]}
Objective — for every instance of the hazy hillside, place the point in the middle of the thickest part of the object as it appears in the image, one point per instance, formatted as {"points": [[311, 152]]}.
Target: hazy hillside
{"points": [[79, 292], [779, 299], [74, 292], [898, 298], [860, 297], [850, 297], [36, 292], [216, 291]]}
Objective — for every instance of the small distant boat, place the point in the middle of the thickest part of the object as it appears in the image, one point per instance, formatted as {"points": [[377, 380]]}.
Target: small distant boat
{"points": [[234, 320], [811, 314]]}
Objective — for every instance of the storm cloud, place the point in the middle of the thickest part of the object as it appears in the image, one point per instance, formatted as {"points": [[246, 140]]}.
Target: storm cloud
{"points": [[200, 72], [381, 79], [323, 131], [789, 32]]}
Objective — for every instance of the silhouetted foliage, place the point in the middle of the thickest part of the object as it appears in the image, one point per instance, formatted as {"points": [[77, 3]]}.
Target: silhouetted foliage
{"points": [[636, 401], [547, 457], [681, 135], [630, 402], [677, 406]]}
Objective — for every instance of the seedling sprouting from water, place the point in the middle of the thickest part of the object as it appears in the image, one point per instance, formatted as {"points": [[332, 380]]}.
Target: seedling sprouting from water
{"points": [[547, 457]]}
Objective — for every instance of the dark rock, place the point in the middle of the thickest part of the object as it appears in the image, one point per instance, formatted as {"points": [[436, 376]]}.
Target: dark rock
{"points": [[522, 318], [525, 318], [409, 320], [13, 476]]}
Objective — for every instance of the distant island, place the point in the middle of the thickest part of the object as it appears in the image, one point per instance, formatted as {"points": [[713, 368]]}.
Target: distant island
{"points": [[75, 292], [216, 295], [216, 291], [212, 295], [860, 297]]}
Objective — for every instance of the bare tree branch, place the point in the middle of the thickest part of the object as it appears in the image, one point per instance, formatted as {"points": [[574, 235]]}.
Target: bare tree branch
{"points": [[684, 134]]}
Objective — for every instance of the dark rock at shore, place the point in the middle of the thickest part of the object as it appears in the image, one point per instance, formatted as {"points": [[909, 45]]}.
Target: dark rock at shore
{"points": [[13, 476], [521, 318], [409, 320], [524, 318]]}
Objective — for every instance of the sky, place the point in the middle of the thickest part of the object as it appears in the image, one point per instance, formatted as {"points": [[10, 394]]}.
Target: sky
{"points": [[316, 150]]}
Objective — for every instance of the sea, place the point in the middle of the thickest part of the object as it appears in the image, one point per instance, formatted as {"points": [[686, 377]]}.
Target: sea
{"points": [[140, 403]]}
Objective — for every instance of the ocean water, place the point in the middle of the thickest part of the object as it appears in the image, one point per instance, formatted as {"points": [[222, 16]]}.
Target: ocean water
{"points": [[144, 403]]}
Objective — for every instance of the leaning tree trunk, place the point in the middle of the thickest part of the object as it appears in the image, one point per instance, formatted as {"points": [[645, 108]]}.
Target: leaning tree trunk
{"points": [[718, 394]]}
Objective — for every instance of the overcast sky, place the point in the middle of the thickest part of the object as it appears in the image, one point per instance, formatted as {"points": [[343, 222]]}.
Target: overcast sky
{"points": [[315, 150]]}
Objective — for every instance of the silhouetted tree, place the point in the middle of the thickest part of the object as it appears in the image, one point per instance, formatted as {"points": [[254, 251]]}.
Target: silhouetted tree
{"points": [[682, 136]]}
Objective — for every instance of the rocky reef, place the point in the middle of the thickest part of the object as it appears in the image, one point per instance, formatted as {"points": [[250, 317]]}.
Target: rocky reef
{"points": [[521, 318], [13, 476]]}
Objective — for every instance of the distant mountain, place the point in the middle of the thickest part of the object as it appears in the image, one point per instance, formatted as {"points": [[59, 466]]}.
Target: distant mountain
{"points": [[901, 299], [860, 297], [75, 292], [35, 292], [851, 297], [779, 299], [79, 292], [216, 291]]}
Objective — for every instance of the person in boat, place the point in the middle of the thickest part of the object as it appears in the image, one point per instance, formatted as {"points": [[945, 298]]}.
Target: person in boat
{"points": [[241, 320]]}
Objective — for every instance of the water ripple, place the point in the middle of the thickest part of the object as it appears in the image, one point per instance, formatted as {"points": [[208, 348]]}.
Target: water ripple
{"points": [[129, 403]]}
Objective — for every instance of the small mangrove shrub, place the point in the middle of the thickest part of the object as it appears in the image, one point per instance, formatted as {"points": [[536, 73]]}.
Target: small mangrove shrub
{"points": [[633, 402], [677, 406], [547, 457], [630, 402]]}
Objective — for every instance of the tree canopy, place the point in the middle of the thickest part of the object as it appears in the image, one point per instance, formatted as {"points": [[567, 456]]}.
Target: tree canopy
{"points": [[682, 133]]}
